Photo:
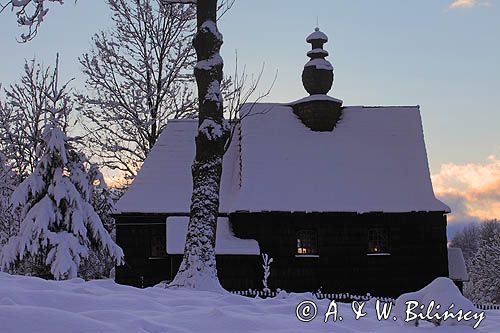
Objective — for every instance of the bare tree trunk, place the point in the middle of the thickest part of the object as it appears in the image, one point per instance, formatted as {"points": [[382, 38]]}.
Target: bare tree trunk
{"points": [[198, 268]]}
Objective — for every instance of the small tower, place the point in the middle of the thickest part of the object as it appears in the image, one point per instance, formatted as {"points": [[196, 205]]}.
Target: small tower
{"points": [[319, 111]]}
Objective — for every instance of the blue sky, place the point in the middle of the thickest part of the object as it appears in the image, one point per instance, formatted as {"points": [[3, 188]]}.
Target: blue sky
{"points": [[386, 52]]}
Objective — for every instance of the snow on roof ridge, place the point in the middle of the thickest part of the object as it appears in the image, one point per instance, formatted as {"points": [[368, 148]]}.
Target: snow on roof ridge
{"points": [[388, 106], [312, 98], [333, 98]]}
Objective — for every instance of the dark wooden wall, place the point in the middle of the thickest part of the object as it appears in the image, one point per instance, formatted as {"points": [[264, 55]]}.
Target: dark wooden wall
{"points": [[417, 242], [417, 246], [134, 234]]}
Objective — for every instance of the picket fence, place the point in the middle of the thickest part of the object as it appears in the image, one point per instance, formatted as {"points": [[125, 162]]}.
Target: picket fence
{"points": [[342, 297]]}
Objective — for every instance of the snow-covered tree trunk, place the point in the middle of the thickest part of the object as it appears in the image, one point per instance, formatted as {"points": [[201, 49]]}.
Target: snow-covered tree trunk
{"points": [[198, 268]]}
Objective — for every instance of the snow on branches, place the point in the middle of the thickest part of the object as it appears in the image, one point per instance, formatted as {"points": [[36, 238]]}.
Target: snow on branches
{"points": [[58, 222], [480, 244], [30, 14], [267, 270], [8, 182], [484, 271], [139, 75], [25, 112]]}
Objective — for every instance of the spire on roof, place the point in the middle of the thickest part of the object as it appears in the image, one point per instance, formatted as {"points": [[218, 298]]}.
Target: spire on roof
{"points": [[317, 76]]}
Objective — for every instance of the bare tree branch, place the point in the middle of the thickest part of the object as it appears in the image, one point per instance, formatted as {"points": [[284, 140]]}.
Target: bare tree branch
{"points": [[30, 14], [139, 76], [25, 112]]}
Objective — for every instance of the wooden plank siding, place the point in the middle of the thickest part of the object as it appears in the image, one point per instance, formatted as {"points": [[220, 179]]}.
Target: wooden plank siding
{"points": [[418, 252]]}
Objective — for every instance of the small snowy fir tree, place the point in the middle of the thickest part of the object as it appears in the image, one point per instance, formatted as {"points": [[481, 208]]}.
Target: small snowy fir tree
{"points": [[59, 224], [267, 270]]}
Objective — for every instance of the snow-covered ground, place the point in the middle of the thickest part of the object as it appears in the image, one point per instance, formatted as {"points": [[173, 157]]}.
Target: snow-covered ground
{"points": [[30, 304]]}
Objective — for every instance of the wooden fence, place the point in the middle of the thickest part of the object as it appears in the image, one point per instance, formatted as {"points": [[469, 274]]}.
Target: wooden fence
{"points": [[488, 306], [343, 297]]}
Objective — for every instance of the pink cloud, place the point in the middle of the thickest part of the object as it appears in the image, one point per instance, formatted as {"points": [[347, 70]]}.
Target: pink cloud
{"points": [[468, 3], [471, 190]]}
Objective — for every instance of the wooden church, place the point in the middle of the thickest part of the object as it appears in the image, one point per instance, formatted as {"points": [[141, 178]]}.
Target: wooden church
{"points": [[339, 196]]}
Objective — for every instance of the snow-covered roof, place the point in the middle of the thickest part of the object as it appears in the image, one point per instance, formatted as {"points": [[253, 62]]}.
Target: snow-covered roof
{"points": [[225, 241], [374, 160], [164, 184], [456, 265]]}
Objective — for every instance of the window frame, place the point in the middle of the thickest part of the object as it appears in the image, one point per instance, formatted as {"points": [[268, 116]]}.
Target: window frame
{"points": [[378, 241], [310, 238]]}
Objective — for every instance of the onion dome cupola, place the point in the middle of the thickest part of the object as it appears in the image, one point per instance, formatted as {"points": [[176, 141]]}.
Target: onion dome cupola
{"points": [[317, 76], [319, 111]]}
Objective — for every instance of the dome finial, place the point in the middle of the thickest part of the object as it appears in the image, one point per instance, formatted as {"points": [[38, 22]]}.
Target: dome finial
{"points": [[317, 76]]}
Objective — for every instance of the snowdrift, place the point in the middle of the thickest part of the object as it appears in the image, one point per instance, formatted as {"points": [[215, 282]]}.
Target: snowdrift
{"points": [[30, 304]]}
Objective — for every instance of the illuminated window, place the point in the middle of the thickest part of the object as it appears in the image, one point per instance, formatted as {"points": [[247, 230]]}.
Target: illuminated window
{"points": [[307, 242], [378, 240]]}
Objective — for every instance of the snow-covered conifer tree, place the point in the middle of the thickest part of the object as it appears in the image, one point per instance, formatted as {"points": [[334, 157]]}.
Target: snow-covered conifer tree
{"points": [[484, 271], [59, 224]]}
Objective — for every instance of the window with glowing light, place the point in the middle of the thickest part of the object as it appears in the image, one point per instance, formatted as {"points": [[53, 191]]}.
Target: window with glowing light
{"points": [[307, 242], [378, 240]]}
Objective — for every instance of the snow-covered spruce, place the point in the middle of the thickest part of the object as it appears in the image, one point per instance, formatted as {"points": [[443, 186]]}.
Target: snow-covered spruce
{"points": [[59, 224]]}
